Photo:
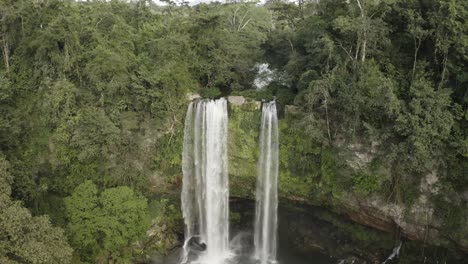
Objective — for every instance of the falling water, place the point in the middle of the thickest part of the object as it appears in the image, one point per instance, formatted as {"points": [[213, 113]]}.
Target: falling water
{"points": [[267, 184], [264, 76], [205, 193], [395, 253]]}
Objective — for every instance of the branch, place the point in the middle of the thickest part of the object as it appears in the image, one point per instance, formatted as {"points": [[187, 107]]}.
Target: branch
{"points": [[240, 27], [347, 52], [292, 46], [360, 7], [245, 24], [99, 22]]}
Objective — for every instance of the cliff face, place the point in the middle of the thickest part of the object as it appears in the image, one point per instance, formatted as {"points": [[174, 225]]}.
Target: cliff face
{"points": [[347, 177]]}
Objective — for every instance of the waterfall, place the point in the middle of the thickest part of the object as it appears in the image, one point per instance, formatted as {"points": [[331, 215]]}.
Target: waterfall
{"points": [[205, 193], [267, 187], [395, 253]]}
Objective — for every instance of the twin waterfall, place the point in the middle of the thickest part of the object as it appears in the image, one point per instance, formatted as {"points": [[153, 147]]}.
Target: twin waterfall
{"points": [[205, 190], [267, 187]]}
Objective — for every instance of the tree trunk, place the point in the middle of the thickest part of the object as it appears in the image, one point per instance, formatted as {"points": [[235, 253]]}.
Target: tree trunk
{"points": [[444, 70], [328, 122], [22, 27], [6, 53], [364, 31], [417, 44], [364, 44], [292, 46]]}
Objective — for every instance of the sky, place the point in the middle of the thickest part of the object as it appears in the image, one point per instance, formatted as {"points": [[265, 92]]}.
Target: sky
{"points": [[191, 2]]}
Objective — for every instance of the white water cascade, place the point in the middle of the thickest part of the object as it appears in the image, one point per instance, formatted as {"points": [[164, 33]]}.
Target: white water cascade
{"points": [[395, 253], [205, 193], [266, 218]]}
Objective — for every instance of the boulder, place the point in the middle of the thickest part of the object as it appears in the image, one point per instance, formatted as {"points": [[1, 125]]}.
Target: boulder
{"points": [[192, 96], [236, 100], [292, 109]]}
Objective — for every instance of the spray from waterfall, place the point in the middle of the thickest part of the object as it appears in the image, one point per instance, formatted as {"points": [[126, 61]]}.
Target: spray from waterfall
{"points": [[205, 193], [266, 219]]}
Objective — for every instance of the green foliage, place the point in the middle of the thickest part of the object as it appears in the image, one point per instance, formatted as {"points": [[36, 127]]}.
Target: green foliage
{"points": [[226, 40], [88, 91], [299, 160], [258, 95], [210, 93], [243, 148], [426, 123], [124, 218], [452, 214], [81, 210], [26, 238], [167, 223], [356, 82], [105, 223], [328, 169], [377, 173], [365, 183]]}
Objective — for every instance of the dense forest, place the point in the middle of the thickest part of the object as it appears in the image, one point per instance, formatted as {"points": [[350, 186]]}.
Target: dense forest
{"points": [[93, 96]]}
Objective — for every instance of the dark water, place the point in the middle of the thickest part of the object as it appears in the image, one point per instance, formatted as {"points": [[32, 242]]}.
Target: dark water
{"points": [[318, 236], [314, 235], [288, 255]]}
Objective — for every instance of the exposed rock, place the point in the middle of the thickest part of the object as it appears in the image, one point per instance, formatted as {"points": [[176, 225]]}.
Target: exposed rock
{"points": [[258, 105], [362, 155], [373, 215], [428, 184], [415, 223], [192, 96], [236, 100], [339, 140], [292, 109], [360, 160], [465, 195]]}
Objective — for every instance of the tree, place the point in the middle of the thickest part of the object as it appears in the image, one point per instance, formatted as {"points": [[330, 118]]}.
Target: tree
{"points": [[318, 96], [227, 39], [25, 238], [123, 218], [105, 224], [82, 210], [426, 124], [363, 31]]}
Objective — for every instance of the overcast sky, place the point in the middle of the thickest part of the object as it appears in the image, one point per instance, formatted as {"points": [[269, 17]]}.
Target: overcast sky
{"points": [[192, 2], [195, 2]]}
